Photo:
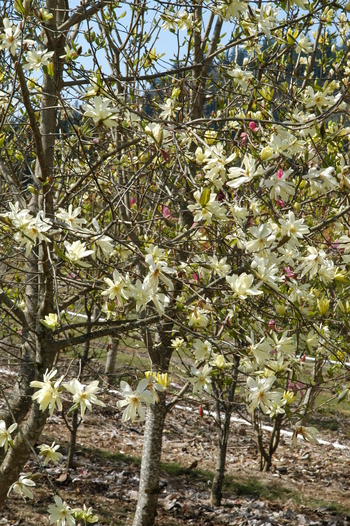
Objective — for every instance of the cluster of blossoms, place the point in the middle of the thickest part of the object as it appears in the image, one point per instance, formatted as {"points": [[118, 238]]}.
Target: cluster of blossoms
{"points": [[48, 396], [146, 392]]}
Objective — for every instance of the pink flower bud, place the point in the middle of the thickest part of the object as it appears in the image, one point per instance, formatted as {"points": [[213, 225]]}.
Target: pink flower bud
{"points": [[279, 174], [280, 202], [244, 138], [200, 411], [165, 211], [253, 126]]}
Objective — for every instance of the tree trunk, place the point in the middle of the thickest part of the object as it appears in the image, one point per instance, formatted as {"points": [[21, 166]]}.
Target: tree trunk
{"points": [[18, 455], [73, 439], [111, 356], [223, 430], [216, 489], [150, 467]]}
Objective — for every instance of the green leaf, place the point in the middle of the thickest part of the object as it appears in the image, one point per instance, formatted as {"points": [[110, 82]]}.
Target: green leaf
{"points": [[343, 395], [72, 409], [205, 196], [59, 252], [19, 7]]}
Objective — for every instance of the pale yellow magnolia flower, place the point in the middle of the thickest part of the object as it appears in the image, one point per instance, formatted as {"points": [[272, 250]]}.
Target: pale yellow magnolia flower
{"points": [[50, 452], [134, 399], [84, 395], [48, 395], [323, 305], [289, 396], [308, 434], [176, 343], [61, 513], [50, 321], [5, 434], [22, 485]]}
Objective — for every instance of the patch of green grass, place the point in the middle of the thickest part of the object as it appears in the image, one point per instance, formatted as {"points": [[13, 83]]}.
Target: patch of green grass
{"points": [[254, 487], [114, 456], [249, 486]]}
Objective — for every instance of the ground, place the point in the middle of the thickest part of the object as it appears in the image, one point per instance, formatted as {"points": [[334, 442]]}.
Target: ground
{"points": [[308, 485]]}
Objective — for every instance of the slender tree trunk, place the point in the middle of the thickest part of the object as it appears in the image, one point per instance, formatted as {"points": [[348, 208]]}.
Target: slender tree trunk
{"points": [[160, 356], [223, 430], [150, 467], [223, 435], [73, 438], [111, 356]]}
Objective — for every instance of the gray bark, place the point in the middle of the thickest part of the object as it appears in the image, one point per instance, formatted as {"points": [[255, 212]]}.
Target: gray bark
{"points": [[150, 467], [111, 356]]}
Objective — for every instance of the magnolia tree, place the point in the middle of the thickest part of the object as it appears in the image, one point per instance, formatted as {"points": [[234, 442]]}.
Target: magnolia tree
{"points": [[196, 201]]}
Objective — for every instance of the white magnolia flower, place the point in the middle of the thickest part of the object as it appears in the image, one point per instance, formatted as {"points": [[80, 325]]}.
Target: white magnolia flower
{"points": [[216, 161], [279, 186], [308, 433], [142, 293], [160, 301], [244, 175], [117, 288], [155, 131], [101, 243], [48, 394], [22, 485], [219, 361], [36, 59], [321, 180], [260, 395], [50, 452], [177, 343], [312, 340], [12, 37], [263, 237], [61, 513], [84, 395], [241, 285], [304, 45], [221, 268], [239, 213], [277, 407], [154, 386], [30, 229], [318, 99], [202, 349], [266, 271], [293, 228], [101, 113], [198, 318], [169, 107], [70, 217], [201, 379], [259, 350], [312, 262], [284, 345], [208, 211], [5, 434], [158, 271], [134, 400], [240, 76], [76, 251]]}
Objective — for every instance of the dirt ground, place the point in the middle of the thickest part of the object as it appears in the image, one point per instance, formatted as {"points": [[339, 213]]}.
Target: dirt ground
{"points": [[308, 485]]}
